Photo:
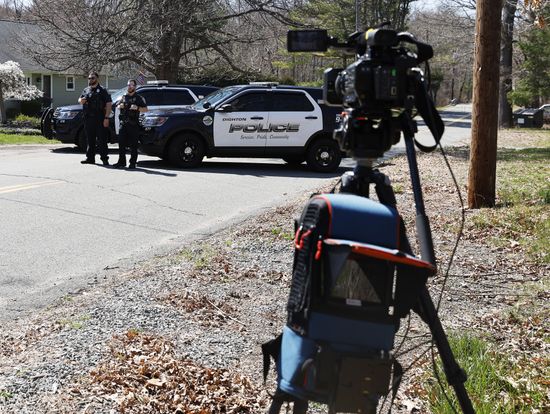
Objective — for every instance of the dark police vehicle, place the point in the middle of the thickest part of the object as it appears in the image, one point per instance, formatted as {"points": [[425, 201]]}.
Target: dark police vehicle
{"points": [[256, 120], [66, 123]]}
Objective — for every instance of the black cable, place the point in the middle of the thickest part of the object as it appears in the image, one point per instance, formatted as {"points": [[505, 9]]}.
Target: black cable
{"points": [[447, 272], [460, 231], [404, 335], [414, 348], [405, 370]]}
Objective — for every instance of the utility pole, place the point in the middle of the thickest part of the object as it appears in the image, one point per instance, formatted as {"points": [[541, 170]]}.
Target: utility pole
{"points": [[483, 153]]}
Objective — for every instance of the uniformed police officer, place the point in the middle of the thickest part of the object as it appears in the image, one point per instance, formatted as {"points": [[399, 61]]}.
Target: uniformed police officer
{"points": [[97, 108], [131, 104]]}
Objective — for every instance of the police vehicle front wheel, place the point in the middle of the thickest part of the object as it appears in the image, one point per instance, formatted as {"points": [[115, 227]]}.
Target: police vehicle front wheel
{"points": [[186, 151], [324, 155]]}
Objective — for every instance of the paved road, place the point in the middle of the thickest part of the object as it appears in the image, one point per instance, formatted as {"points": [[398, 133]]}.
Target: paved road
{"points": [[64, 225]]}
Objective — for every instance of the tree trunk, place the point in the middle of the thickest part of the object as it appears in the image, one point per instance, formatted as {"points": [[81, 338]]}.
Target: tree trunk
{"points": [[504, 107], [482, 171]]}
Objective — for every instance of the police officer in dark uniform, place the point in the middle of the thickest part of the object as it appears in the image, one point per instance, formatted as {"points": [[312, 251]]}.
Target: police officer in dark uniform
{"points": [[131, 104], [97, 108]]}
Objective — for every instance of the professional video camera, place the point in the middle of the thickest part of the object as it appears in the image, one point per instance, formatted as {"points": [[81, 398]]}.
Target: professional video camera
{"points": [[355, 275], [375, 89]]}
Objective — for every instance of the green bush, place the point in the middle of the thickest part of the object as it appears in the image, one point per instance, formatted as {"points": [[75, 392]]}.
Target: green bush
{"points": [[26, 121]]}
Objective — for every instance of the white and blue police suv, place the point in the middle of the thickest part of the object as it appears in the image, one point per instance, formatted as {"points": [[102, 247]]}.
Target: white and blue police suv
{"points": [[256, 120]]}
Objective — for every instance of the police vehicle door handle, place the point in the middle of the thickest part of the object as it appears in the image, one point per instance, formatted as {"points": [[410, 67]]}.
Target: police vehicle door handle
{"points": [[256, 118], [311, 117]]}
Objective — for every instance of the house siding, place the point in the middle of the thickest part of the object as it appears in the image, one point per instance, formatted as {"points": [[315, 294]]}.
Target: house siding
{"points": [[62, 97]]}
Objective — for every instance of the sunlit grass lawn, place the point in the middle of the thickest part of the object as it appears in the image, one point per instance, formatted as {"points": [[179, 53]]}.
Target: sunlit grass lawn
{"points": [[14, 139], [523, 199]]}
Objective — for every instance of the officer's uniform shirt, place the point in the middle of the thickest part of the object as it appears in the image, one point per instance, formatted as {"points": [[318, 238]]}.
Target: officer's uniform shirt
{"points": [[96, 99], [131, 116]]}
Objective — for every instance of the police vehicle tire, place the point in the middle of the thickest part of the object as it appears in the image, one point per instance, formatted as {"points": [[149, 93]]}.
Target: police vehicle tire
{"points": [[324, 155], [186, 151], [81, 141], [294, 159]]}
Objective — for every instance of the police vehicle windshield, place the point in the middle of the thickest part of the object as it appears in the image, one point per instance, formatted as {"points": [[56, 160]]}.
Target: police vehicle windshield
{"points": [[215, 97], [115, 96]]}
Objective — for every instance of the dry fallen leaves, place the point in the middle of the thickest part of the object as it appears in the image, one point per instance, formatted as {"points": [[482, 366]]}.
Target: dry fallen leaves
{"points": [[144, 375]]}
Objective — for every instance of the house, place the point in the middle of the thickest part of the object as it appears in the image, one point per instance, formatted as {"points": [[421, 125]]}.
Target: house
{"points": [[62, 87]]}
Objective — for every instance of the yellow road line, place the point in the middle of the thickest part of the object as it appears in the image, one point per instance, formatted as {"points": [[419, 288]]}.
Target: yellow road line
{"points": [[29, 186]]}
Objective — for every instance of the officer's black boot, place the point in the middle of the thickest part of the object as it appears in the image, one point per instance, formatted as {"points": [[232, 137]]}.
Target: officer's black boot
{"points": [[120, 164]]}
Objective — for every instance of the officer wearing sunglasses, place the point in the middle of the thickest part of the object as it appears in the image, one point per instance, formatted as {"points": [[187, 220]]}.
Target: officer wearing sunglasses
{"points": [[96, 103]]}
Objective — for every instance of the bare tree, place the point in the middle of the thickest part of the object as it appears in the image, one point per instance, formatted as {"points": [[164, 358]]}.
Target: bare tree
{"points": [[164, 37], [12, 9], [451, 34], [506, 63]]}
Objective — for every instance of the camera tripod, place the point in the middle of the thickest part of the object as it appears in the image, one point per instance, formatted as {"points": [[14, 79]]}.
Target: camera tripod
{"points": [[358, 182]]}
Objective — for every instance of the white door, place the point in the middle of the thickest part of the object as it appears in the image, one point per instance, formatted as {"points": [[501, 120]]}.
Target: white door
{"points": [[242, 121], [293, 118]]}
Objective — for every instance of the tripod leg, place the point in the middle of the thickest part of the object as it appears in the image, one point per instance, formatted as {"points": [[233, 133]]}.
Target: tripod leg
{"points": [[455, 375], [280, 397], [276, 404]]}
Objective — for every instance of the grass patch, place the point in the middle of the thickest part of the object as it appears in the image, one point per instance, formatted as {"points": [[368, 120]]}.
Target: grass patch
{"points": [[5, 395], [524, 226], [522, 216], [74, 324], [26, 121], [496, 385], [280, 233], [200, 256], [14, 139]]}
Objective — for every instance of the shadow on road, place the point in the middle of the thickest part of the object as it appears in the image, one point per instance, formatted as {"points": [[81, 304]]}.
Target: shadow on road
{"points": [[455, 114], [462, 124], [259, 169], [75, 150], [244, 168]]}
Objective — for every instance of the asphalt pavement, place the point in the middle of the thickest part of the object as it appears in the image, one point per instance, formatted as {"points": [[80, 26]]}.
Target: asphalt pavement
{"points": [[64, 225]]}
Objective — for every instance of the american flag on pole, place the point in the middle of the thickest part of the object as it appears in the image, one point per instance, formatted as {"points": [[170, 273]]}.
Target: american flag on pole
{"points": [[140, 78]]}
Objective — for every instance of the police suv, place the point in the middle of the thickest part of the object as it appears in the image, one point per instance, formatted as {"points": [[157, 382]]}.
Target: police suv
{"points": [[256, 120], [66, 123]]}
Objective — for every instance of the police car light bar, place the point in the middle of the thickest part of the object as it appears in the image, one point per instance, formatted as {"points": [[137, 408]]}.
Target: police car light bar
{"points": [[271, 84], [157, 82]]}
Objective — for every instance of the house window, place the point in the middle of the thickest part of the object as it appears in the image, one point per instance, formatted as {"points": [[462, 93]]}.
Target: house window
{"points": [[69, 83]]}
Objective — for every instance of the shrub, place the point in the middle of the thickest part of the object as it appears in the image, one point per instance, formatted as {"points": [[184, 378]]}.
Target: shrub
{"points": [[31, 108]]}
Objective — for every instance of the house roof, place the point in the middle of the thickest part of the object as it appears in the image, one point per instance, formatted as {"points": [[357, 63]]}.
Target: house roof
{"points": [[14, 34], [11, 34]]}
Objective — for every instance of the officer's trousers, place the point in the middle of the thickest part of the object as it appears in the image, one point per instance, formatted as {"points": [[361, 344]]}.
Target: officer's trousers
{"points": [[128, 137], [93, 127]]}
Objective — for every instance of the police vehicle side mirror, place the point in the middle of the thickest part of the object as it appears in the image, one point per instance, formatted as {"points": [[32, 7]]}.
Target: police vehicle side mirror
{"points": [[225, 108]]}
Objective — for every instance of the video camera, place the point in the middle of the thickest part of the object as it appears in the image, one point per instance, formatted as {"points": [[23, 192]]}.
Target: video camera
{"points": [[384, 81]]}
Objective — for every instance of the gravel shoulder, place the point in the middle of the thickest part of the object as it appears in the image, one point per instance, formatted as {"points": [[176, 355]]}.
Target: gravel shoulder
{"points": [[198, 315]]}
